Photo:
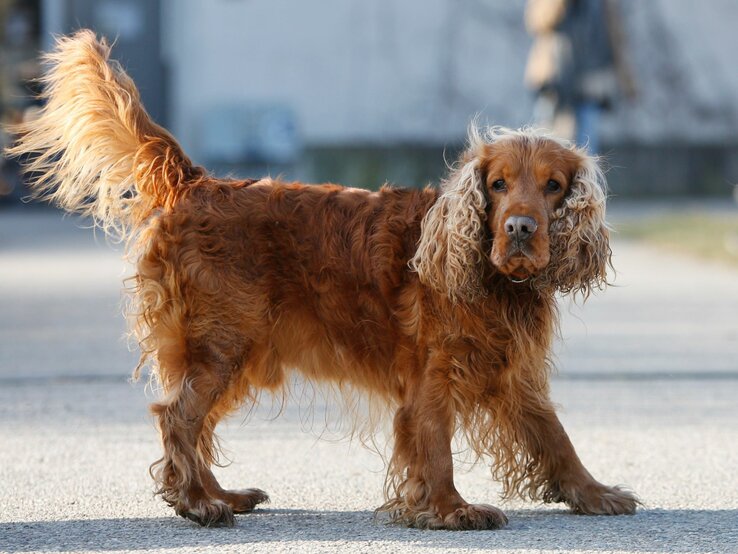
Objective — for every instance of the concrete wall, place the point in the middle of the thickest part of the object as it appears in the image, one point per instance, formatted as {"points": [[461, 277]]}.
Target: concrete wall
{"points": [[415, 71], [684, 56], [356, 71]]}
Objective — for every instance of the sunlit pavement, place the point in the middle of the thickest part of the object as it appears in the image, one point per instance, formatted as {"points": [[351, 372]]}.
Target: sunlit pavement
{"points": [[648, 388]]}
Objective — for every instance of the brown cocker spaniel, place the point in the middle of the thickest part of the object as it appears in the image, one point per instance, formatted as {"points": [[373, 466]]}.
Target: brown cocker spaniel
{"points": [[439, 303]]}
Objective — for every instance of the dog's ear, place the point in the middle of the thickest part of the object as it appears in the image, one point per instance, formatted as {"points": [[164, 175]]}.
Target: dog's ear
{"points": [[449, 254], [580, 246]]}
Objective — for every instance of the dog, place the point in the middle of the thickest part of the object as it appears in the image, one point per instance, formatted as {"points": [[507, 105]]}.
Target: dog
{"points": [[441, 303]]}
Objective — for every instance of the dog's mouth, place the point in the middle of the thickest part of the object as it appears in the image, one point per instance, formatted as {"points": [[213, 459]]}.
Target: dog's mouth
{"points": [[518, 270], [519, 266], [519, 276]]}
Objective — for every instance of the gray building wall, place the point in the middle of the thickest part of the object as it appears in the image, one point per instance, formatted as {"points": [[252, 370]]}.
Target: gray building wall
{"points": [[416, 71], [355, 71], [380, 87], [684, 56]]}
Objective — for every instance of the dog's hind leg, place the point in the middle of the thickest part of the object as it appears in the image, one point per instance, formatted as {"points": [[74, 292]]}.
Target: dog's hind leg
{"points": [[194, 382], [241, 501]]}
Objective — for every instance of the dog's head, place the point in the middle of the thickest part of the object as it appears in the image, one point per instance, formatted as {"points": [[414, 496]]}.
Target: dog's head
{"points": [[524, 205]]}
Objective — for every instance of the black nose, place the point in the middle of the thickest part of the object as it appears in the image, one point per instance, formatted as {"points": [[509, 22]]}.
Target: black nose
{"points": [[520, 227]]}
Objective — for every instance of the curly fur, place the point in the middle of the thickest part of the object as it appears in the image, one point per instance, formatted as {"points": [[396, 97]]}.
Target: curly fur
{"points": [[449, 254], [579, 237], [418, 298]]}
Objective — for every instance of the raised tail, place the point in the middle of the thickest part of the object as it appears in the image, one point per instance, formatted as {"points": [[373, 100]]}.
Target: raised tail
{"points": [[93, 149]]}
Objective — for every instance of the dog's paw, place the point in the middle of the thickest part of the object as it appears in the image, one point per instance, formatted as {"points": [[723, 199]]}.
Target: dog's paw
{"points": [[598, 499], [244, 500], [465, 518], [208, 513]]}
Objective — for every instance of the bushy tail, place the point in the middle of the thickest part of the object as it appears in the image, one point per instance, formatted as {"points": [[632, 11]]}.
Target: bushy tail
{"points": [[92, 148]]}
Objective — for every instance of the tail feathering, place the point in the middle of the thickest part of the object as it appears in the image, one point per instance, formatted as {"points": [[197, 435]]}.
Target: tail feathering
{"points": [[92, 148]]}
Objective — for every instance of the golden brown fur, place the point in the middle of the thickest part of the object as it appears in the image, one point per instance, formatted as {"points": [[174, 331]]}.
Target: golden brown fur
{"points": [[410, 295]]}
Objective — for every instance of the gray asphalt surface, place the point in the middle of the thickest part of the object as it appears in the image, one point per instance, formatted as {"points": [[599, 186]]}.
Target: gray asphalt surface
{"points": [[648, 387]]}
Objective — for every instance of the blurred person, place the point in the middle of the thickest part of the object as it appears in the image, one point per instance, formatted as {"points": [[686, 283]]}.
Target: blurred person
{"points": [[576, 66]]}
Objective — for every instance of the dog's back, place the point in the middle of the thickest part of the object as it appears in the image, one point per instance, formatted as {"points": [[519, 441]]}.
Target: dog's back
{"points": [[310, 277]]}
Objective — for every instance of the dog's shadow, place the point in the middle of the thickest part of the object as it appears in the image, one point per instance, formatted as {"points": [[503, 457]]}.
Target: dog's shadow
{"points": [[648, 531]]}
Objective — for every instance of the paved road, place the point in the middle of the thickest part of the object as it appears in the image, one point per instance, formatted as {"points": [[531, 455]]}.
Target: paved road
{"points": [[648, 386]]}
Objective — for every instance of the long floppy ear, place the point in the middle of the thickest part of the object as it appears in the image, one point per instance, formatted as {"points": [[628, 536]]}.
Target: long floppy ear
{"points": [[580, 245], [449, 256]]}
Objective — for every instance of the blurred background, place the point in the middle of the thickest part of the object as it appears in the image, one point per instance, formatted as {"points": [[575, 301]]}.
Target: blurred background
{"points": [[363, 92]]}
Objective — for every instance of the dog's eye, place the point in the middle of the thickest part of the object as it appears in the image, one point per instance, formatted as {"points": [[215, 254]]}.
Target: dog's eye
{"points": [[553, 186], [499, 185]]}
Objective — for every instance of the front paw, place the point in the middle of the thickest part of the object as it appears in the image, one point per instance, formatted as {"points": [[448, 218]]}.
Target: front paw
{"points": [[465, 518], [598, 499], [207, 512]]}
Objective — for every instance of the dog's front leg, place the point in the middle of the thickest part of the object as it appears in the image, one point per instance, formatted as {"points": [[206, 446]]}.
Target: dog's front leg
{"points": [[556, 474], [422, 466]]}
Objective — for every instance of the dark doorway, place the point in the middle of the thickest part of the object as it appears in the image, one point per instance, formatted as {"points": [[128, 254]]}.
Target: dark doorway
{"points": [[20, 24], [135, 27]]}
